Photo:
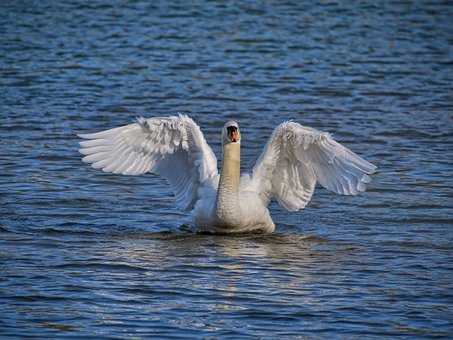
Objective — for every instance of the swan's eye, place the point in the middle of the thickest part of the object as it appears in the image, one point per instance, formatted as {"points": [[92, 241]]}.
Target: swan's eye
{"points": [[233, 133]]}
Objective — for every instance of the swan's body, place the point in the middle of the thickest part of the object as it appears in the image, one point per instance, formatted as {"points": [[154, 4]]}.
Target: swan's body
{"points": [[294, 159]]}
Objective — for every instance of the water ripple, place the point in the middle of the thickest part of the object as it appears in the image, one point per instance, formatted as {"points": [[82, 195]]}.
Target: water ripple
{"points": [[84, 254]]}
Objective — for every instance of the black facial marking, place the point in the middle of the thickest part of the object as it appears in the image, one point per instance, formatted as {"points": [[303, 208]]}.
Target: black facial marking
{"points": [[231, 129]]}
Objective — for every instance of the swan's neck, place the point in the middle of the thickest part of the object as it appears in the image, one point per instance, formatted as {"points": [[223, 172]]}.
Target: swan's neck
{"points": [[227, 203]]}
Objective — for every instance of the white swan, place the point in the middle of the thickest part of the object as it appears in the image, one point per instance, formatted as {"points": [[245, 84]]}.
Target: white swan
{"points": [[294, 159]]}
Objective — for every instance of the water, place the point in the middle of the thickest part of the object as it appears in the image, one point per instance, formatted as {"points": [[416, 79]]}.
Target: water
{"points": [[84, 253]]}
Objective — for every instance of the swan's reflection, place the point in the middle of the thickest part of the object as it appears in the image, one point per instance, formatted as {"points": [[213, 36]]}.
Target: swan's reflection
{"points": [[230, 272]]}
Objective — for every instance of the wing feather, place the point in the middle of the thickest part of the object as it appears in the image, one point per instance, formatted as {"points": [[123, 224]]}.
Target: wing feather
{"points": [[173, 147], [297, 157]]}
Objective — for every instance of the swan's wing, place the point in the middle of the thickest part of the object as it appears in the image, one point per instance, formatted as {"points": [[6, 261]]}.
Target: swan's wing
{"points": [[173, 147], [296, 157]]}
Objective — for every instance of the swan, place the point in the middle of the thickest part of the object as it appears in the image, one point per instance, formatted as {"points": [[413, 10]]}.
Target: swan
{"points": [[294, 159]]}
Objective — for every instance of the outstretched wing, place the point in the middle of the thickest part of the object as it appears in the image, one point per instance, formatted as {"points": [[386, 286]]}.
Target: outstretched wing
{"points": [[173, 147], [296, 157]]}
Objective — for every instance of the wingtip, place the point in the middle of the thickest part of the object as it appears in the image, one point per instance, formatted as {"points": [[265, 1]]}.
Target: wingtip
{"points": [[85, 135], [373, 169], [85, 159]]}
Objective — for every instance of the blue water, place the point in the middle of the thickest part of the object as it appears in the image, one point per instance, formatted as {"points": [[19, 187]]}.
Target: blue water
{"points": [[87, 254]]}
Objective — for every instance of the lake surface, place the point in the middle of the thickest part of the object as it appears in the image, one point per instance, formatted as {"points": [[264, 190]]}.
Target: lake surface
{"points": [[87, 254]]}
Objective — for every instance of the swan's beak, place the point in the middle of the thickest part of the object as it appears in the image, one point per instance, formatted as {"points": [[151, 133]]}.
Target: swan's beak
{"points": [[233, 134]]}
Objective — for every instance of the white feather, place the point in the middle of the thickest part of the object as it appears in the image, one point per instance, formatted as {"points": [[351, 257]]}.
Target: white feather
{"points": [[296, 157], [173, 147]]}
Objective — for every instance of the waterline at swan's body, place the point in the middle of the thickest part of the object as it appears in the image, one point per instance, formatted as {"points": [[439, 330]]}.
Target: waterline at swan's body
{"points": [[249, 216]]}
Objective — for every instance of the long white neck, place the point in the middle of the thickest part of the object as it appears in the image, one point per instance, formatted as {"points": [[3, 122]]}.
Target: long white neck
{"points": [[227, 205]]}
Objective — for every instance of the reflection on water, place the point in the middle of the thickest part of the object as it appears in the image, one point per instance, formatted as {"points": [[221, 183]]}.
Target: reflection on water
{"points": [[84, 254]]}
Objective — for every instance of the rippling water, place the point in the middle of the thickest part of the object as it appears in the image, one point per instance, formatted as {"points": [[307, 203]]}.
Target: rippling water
{"points": [[83, 253]]}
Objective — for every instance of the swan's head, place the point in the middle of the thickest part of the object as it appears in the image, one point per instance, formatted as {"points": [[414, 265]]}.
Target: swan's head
{"points": [[230, 133]]}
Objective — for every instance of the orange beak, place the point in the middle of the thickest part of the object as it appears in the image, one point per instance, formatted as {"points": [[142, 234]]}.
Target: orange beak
{"points": [[234, 136]]}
